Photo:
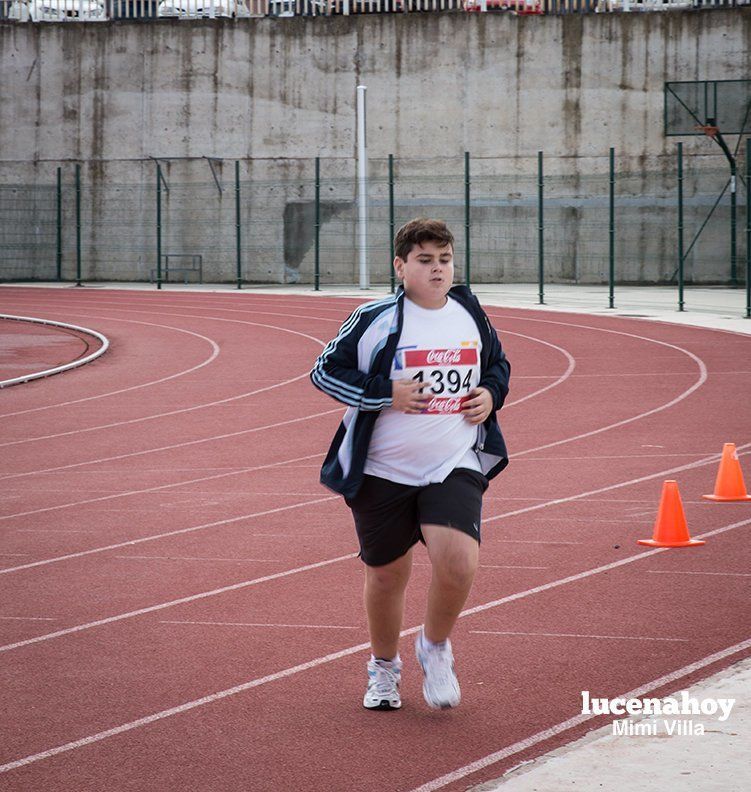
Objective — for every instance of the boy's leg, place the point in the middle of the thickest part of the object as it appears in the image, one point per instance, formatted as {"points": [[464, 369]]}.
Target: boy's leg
{"points": [[454, 557], [384, 603]]}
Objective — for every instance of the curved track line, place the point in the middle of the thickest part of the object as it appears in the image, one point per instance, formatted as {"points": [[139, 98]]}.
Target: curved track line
{"points": [[181, 601], [468, 612], [185, 707], [566, 374], [159, 488], [154, 537], [183, 409], [703, 374], [57, 369], [172, 447], [241, 432], [700, 381], [208, 360]]}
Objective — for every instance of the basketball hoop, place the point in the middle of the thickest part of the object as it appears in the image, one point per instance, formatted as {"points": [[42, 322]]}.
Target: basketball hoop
{"points": [[708, 129]]}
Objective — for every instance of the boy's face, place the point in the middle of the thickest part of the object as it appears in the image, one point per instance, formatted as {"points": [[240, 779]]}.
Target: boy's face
{"points": [[427, 273]]}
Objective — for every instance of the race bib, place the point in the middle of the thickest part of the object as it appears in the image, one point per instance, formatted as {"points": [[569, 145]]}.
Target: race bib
{"points": [[449, 374]]}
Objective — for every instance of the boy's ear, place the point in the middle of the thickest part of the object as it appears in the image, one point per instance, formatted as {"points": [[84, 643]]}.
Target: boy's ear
{"points": [[399, 267]]}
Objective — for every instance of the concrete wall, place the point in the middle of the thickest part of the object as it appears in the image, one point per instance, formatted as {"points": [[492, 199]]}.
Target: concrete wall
{"points": [[275, 93]]}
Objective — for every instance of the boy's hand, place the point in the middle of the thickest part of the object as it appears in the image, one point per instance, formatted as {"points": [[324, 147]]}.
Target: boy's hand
{"points": [[407, 396], [478, 406]]}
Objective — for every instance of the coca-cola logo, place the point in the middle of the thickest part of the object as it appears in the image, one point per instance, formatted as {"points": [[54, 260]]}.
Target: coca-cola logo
{"points": [[444, 406], [444, 357], [440, 358]]}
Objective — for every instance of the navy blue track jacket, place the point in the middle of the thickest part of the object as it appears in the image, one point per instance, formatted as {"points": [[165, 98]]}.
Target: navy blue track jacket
{"points": [[355, 369]]}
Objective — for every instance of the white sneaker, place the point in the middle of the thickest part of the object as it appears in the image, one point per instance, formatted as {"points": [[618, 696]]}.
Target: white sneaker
{"points": [[384, 678], [440, 686]]}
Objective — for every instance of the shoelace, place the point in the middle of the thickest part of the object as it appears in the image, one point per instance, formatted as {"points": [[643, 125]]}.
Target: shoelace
{"points": [[386, 679], [440, 665]]}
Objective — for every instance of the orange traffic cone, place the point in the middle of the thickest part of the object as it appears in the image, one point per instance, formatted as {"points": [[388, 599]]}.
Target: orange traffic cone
{"points": [[670, 526], [729, 484]]}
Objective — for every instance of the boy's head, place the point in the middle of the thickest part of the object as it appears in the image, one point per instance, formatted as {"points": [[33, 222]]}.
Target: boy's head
{"points": [[424, 261]]}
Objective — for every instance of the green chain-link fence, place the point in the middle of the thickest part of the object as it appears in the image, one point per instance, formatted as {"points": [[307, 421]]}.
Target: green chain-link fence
{"points": [[273, 236]]}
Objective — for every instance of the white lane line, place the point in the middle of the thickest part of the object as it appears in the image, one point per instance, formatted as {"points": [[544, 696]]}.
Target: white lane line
{"points": [[262, 624], [182, 410], [319, 661], [534, 541], [241, 432], [214, 353], [559, 728], [181, 601], [187, 443], [542, 505], [196, 558], [685, 572], [578, 635], [54, 530], [27, 618], [566, 374], [66, 366], [159, 488], [489, 566], [609, 487], [154, 537]]}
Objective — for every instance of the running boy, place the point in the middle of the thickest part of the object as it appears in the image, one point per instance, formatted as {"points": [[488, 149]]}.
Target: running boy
{"points": [[423, 374]]}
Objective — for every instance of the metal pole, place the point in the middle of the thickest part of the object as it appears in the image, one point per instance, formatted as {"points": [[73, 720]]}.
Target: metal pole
{"points": [[468, 257], [392, 230], [158, 226], [78, 225], [362, 186], [748, 228], [317, 275], [59, 223], [540, 228], [733, 226], [611, 251], [238, 231], [680, 226]]}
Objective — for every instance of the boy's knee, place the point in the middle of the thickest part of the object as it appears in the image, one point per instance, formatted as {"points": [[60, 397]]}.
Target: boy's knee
{"points": [[456, 569], [387, 577]]}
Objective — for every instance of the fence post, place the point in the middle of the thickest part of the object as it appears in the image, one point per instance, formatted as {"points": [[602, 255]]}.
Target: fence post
{"points": [[317, 273], [158, 225], [238, 230], [733, 224], [392, 231], [59, 256], [468, 257], [680, 226], [611, 250], [748, 228], [540, 229], [78, 224]]}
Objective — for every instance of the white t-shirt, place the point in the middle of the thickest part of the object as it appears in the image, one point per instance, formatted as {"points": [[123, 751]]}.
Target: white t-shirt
{"points": [[442, 348]]}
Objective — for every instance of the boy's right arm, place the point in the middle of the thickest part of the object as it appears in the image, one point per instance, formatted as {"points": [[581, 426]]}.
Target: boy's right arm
{"points": [[336, 373]]}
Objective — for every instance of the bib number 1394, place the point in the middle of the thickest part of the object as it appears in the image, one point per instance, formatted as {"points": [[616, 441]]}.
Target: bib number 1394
{"points": [[446, 381]]}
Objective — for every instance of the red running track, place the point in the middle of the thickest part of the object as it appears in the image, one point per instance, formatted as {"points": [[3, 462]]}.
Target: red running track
{"points": [[180, 601]]}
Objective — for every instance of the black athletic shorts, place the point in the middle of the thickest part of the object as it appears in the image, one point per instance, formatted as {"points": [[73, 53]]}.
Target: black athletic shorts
{"points": [[388, 515]]}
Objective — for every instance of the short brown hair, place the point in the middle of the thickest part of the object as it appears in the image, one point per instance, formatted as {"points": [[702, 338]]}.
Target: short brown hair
{"points": [[419, 230]]}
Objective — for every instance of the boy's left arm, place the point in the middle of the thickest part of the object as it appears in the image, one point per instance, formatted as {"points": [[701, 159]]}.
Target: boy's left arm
{"points": [[495, 378]]}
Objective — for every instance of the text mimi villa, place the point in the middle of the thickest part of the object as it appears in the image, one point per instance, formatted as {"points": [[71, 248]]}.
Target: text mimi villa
{"points": [[676, 711]]}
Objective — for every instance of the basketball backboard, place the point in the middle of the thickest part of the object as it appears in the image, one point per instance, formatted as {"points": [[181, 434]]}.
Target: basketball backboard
{"points": [[691, 105]]}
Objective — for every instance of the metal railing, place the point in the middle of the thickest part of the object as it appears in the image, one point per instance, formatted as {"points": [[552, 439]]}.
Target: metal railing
{"points": [[101, 10]]}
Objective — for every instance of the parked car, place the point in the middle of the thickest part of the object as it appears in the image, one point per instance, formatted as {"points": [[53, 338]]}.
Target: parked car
{"points": [[520, 7], [206, 9], [57, 10]]}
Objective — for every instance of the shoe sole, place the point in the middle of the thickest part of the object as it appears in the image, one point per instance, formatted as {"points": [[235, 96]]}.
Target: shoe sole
{"points": [[383, 705], [432, 704]]}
